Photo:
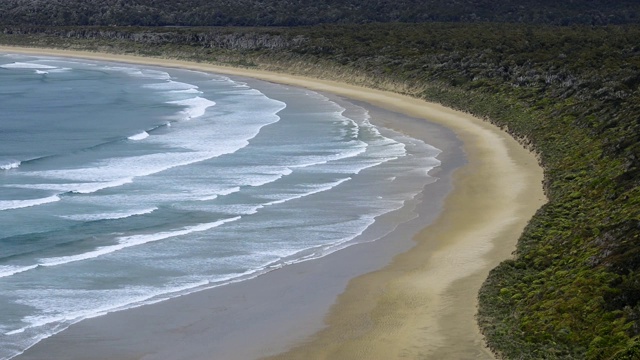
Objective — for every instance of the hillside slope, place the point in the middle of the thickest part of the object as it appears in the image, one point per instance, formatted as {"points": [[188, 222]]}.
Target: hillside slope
{"points": [[309, 12]]}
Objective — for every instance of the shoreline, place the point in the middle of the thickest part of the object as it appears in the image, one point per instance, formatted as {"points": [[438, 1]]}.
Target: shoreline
{"points": [[420, 304]]}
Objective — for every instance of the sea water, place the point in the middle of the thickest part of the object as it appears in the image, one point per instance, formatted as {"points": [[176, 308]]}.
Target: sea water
{"points": [[125, 185]]}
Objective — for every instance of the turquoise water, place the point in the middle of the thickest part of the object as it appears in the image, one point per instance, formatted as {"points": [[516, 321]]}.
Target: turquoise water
{"points": [[124, 185]]}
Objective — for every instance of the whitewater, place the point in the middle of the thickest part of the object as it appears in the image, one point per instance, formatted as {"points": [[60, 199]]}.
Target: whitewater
{"points": [[124, 185]]}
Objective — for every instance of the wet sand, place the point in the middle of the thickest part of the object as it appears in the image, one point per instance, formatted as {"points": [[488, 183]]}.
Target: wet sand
{"points": [[412, 294]]}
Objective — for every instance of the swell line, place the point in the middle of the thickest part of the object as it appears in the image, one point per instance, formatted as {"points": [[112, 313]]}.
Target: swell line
{"points": [[123, 243]]}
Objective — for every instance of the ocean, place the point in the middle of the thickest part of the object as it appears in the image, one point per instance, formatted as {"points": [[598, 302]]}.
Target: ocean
{"points": [[125, 185]]}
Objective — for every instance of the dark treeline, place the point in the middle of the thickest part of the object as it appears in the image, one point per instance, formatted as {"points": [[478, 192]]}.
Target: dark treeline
{"points": [[310, 12], [572, 290]]}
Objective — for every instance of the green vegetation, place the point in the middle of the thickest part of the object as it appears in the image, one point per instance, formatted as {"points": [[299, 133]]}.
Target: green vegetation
{"points": [[571, 93], [310, 12]]}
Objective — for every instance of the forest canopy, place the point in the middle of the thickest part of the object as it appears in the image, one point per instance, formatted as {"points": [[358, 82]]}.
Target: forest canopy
{"points": [[310, 12]]}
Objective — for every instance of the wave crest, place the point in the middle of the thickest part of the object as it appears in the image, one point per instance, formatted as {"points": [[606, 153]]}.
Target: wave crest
{"points": [[133, 240], [139, 136], [109, 216], [25, 65], [195, 107], [18, 204], [10, 165]]}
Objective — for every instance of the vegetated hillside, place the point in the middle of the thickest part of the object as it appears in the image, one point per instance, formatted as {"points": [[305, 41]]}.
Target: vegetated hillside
{"points": [[573, 287], [309, 12]]}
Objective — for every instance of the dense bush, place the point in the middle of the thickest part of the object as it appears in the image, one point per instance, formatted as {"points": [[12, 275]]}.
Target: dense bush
{"points": [[308, 12]]}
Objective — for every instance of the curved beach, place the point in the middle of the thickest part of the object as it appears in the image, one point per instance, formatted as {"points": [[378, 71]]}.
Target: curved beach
{"points": [[411, 294]]}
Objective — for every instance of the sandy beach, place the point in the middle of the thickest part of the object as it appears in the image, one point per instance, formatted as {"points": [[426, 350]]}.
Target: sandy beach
{"points": [[412, 294]]}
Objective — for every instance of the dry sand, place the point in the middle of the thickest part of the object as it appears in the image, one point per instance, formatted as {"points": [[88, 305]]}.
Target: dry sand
{"points": [[422, 304]]}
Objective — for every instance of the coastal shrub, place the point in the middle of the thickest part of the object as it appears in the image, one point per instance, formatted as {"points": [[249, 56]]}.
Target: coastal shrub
{"points": [[308, 12]]}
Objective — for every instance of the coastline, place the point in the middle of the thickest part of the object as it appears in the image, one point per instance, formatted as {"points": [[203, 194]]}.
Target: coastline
{"points": [[423, 302]]}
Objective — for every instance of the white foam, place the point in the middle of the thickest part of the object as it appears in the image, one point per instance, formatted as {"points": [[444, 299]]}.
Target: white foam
{"points": [[208, 198], [310, 161], [10, 165], [220, 193], [139, 136], [171, 85], [110, 216], [144, 73], [227, 134], [299, 196], [18, 204], [267, 177], [370, 127], [77, 188], [8, 270], [119, 171], [66, 61], [58, 70], [41, 72], [59, 315], [155, 74], [195, 107], [134, 240], [89, 188], [228, 80], [23, 65], [188, 91]]}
